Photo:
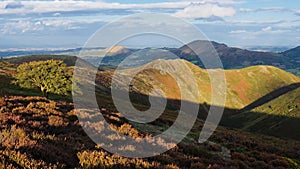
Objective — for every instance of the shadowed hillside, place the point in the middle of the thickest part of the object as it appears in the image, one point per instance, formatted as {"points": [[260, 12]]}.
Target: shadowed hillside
{"points": [[279, 111]]}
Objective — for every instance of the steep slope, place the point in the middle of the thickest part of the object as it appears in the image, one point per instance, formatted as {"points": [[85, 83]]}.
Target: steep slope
{"points": [[284, 105], [279, 116], [244, 86]]}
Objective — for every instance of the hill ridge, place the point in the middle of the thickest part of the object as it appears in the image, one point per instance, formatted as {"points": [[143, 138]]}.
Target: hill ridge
{"points": [[244, 86]]}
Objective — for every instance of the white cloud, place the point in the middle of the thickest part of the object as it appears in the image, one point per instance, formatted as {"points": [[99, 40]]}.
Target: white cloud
{"points": [[238, 31], [67, 6], [74, 5], [67, 25], [266, 29], [255, 22], [297, 13], [220, 2], [245, 10], [20, 27], [269, 9], [205, 11], [57, 14], [23, 26]]}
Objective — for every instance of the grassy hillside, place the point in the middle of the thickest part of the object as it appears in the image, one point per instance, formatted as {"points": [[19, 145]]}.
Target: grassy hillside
{"points": [[279, 117], [249, 84], [244, 86], [285, 105]]}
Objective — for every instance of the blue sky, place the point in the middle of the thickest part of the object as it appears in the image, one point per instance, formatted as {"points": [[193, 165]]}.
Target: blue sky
{"points": [[69, 23]]}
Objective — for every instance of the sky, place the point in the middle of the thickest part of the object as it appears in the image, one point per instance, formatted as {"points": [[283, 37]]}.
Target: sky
{"points": [[70, 23]]}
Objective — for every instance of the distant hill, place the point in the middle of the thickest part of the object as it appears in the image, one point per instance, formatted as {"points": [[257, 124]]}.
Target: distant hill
{"points": [[69, 60], [244, 86], [292, 53], [293, 56], [117, 50], [232, 57], [275, 49]]}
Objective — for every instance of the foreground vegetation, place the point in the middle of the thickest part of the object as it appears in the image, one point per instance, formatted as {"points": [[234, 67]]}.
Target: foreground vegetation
{"points": [[41, 133]]}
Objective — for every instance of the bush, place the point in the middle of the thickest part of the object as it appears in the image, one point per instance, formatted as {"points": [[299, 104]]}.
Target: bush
{"points": [[101, 159], [14, 138], [57, 121]]}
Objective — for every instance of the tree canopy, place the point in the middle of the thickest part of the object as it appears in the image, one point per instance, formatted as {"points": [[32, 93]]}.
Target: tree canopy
{"points": [[49, 76]]}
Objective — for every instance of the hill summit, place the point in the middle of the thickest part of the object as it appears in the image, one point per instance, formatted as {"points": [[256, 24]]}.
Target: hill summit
{"points": [[117, 50]]}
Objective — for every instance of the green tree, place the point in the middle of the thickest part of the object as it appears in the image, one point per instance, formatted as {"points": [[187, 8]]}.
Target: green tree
{"points": [[49, 76]]}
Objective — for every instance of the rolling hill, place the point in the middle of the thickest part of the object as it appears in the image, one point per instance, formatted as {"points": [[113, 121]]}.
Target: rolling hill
{"points": [[244, 86]]}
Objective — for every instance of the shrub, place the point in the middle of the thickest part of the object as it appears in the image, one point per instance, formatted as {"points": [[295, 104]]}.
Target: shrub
{"points": [[14, 160], [101, 159], [14, 138], [128, 130], [57, 121]]}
